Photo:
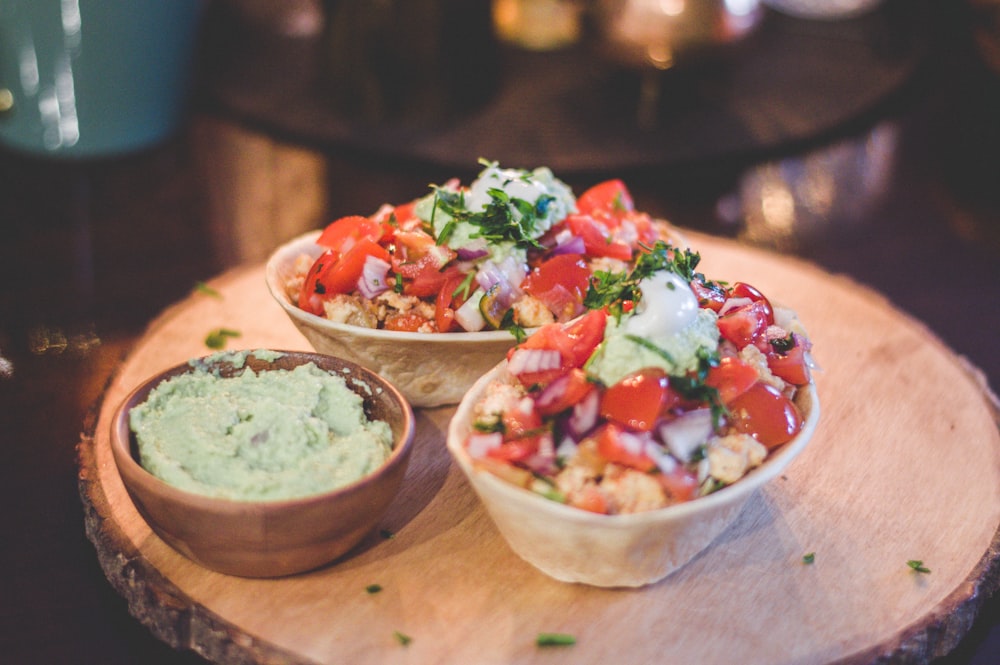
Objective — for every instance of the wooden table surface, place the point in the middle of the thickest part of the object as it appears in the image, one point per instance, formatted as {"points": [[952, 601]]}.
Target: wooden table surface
{"points": [[903, 200]]}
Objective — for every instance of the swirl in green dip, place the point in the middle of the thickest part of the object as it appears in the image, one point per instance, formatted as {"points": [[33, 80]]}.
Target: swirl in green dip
{"points": [[273, 435]]}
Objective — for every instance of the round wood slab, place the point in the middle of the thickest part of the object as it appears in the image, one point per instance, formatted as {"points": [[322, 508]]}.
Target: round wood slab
{"points": [[905, 466]]}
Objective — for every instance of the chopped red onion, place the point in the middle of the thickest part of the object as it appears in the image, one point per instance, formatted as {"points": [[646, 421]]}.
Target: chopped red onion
{"points": [[476, 249], [567, 243], [373, 277]]}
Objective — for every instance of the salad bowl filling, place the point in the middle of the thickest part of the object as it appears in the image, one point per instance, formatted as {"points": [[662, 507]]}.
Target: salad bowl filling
{"points": [[513, 250], [670, 387]]}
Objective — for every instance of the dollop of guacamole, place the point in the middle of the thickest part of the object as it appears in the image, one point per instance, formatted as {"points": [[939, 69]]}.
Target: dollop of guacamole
{"points": [[272, 435], [621, 353]]}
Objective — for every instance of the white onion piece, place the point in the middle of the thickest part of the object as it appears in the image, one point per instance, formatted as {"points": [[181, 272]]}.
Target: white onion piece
{"points": [[523, 361], [585, 415], [481, 443], [373, 277], [733, 304], [684, 434], [468, 315]]}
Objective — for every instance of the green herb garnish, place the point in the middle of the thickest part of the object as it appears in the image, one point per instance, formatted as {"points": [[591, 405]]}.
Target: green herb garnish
{"points": [[809, 558], [612, 289], [217, 338], [783, 344], [504, 219], [402, 638], [202, 287], [646, 344], [918, 566], [373, 588], [555, 640]]}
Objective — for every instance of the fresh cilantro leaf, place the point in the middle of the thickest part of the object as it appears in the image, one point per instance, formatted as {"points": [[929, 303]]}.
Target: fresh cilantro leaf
{"points": [[918, 566], [202, 287], [373, 588], [217, 338], [402, 638], [809, 557], [555, 640]]}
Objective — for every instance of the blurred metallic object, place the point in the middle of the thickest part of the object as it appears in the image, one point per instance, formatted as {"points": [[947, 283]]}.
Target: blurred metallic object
{"points": [[823, 9], [659, 34], [785, 203]]}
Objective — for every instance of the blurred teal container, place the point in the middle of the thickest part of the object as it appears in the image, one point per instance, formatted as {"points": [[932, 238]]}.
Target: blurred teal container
{"points": [[87, 78]]}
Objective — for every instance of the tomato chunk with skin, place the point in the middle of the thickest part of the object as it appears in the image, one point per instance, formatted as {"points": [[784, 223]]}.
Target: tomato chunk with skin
{"points": [[745, 325], [619, 446], [596, 240], [791, 364], [766, 414], [342, 234], [560, 283], [563, 392], [637, 400], [610, 196], [744, 290], [731, 377]]}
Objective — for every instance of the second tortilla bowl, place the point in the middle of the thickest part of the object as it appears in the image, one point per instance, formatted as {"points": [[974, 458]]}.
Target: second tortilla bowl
{"points": [[629, 550]]}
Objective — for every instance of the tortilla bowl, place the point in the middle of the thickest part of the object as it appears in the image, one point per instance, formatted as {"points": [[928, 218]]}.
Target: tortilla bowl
{"points": [[429, 369], [629, 550]]}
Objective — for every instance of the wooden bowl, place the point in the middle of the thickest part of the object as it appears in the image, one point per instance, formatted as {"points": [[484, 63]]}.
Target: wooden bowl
{"points": [[429, 369], [628, 550], [269, 538]]}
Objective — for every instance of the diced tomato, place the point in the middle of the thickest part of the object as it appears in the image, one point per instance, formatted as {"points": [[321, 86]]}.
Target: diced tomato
{"points": [[710, 296], [448, 300], [310, 299], [744, 290], [334, 272], [596, 238], [746, 325], [342, 275], [731, 377], [790, 365], [616, 445], [560, 283], [766, 414], [342, 234], [637, 400], [591, 499], [610, 196], [420, 260], [523, 430], [515, 450], [405, 321], [681, 484], [563, 392], [575, 343]]}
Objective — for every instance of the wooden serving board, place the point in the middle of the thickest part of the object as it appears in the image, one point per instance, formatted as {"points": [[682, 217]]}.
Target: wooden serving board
{"points": [[905, 466]]}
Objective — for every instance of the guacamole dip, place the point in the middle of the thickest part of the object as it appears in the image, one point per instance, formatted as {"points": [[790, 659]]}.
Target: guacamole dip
{"points": [[272, 435]]}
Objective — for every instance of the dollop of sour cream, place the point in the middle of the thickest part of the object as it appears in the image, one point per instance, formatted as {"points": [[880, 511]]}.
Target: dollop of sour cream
{"points": [[668, 306], [526, 185]]}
